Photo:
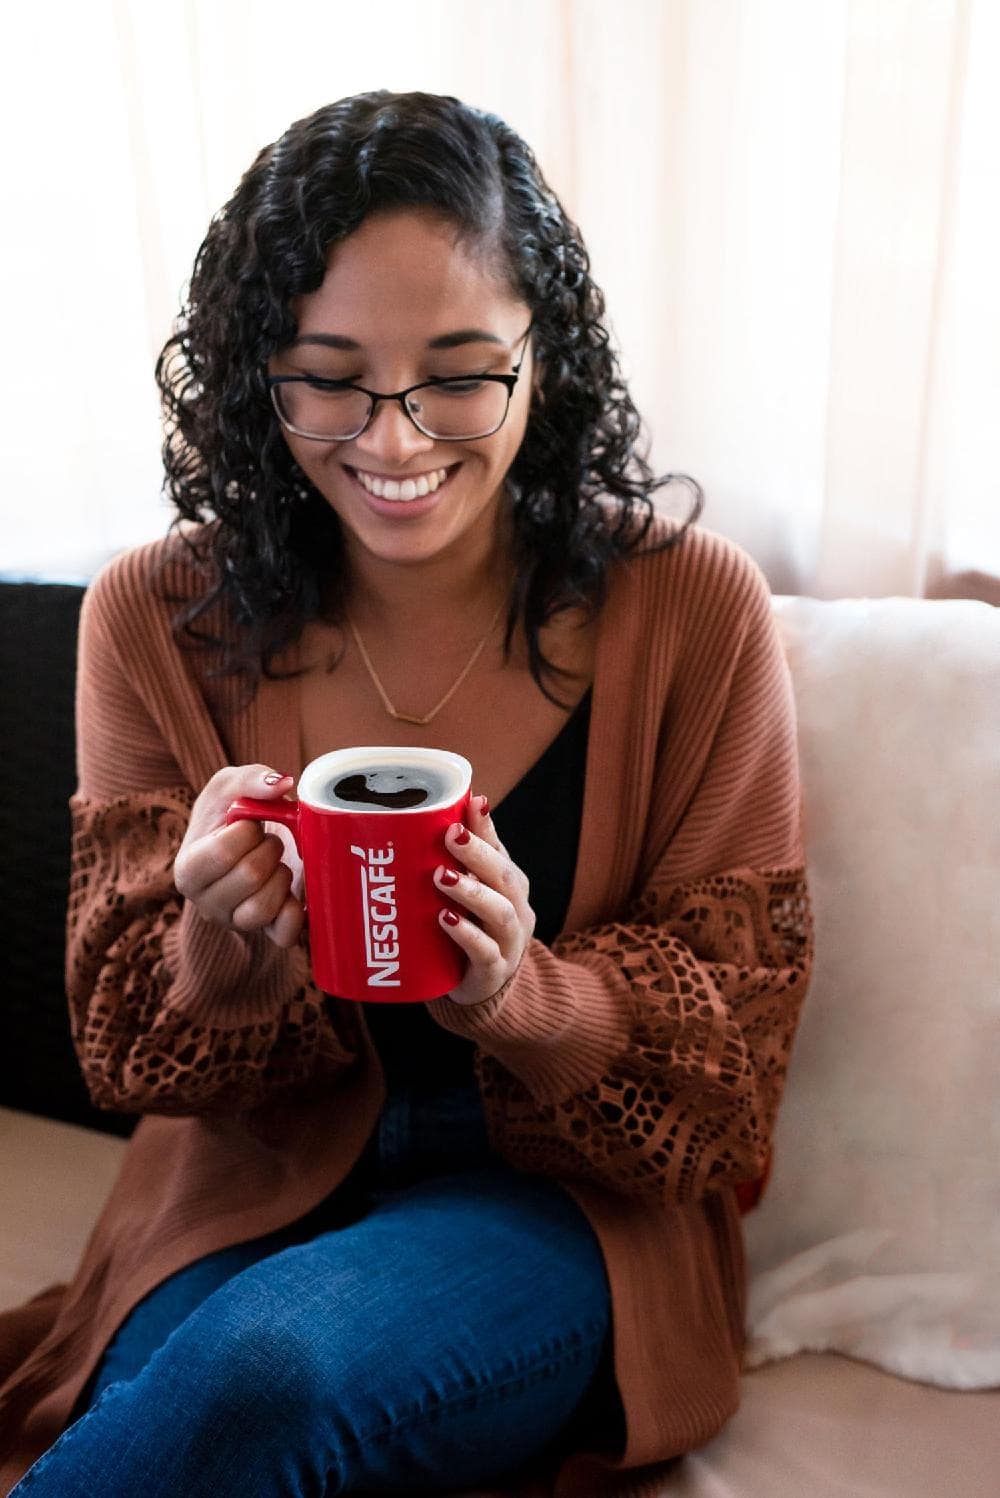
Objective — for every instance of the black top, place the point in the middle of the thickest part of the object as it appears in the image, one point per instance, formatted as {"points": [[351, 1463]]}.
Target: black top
{"points": [[538, 823]]}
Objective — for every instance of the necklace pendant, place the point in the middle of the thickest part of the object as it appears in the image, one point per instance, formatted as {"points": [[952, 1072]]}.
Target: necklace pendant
{"points": [[408, 718]]}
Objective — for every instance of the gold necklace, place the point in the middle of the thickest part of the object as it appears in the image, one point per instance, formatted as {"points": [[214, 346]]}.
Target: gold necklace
{"points": [[408, 717]]}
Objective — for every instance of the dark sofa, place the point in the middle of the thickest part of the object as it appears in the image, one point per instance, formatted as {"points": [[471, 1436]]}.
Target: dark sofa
{"points": [[38, 1067]]}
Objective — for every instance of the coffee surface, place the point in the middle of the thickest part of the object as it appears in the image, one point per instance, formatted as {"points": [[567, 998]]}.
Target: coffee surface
{"points": [[392, 787]]}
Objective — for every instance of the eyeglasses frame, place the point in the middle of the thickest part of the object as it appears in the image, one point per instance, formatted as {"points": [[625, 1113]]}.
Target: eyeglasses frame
{"points": [[375, 396]]}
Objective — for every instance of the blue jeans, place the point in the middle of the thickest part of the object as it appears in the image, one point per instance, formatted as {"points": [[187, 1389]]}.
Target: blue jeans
{"points": [[441, 1321]]}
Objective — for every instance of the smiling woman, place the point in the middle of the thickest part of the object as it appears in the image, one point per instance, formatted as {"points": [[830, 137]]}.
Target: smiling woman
{"points": [[424, 317], [366, 1247], [433, 251]]}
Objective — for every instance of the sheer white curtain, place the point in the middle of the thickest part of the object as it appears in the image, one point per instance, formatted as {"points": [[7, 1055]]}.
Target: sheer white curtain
{"points": [[794, 211]]}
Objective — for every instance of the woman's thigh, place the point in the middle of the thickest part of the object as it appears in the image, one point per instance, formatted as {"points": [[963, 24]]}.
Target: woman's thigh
{"points": [[151, 1322], [159, 1313], [445, 1337]]}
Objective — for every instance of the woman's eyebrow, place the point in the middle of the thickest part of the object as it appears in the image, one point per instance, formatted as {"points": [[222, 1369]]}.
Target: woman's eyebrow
{"points": [[465, 335], [443, 340]]}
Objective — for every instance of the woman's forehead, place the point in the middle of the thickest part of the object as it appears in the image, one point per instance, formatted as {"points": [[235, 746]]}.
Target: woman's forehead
{"points": [[412, 272]]}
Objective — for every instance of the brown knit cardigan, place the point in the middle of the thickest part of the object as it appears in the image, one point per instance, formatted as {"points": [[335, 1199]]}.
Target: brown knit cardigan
{"points": [[639, 1061]]}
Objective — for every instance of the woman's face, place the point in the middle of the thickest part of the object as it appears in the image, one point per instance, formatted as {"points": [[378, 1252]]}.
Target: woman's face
{"points": [[395, 288]]}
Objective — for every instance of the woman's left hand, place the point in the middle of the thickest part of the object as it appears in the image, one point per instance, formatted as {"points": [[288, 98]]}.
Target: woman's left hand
{"points": [[495, 893]]}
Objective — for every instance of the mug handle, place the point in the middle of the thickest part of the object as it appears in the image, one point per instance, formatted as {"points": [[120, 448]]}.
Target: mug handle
{"points": [[246, 809]]}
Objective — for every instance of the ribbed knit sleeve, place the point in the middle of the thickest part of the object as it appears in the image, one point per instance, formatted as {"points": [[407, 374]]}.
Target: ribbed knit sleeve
{"points": [[168, 1013], [648, 1053]]}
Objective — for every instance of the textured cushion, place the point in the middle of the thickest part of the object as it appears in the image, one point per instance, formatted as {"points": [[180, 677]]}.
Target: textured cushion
{"points": [[879, 1234]]}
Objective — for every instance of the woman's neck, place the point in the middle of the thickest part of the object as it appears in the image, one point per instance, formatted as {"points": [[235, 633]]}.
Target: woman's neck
{"points": [[455, 591]]}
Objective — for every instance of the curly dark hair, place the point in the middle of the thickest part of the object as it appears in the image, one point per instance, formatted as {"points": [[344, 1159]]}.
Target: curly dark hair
{"points": [[579, 488]]}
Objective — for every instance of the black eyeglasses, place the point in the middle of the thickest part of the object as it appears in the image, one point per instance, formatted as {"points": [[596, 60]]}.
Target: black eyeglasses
{"points": [[457, 408]]}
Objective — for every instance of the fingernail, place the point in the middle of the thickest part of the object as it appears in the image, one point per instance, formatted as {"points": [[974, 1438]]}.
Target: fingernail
{"points": [[449, 917], [274, 779], [484, 809], [449, 877], [463, 836]]}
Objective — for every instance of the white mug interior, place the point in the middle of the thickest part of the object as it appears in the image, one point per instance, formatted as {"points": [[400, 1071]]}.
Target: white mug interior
{"points": [[454, 769]]}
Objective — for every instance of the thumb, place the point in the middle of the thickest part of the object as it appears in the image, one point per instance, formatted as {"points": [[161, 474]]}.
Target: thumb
{"points": [[258, 782], [273, 784]]}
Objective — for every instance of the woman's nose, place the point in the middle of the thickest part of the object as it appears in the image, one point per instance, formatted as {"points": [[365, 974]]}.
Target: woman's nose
{"points": [[391, 436]]}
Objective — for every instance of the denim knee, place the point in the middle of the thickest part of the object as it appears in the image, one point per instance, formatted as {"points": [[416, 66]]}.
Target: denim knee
{"points": [[254, 1352]]}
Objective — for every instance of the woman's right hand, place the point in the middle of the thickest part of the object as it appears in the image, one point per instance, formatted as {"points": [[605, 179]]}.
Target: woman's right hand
{"points": [[236, 876]]}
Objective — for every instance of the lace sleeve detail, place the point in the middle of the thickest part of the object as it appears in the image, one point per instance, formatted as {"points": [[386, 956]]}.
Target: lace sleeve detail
{"points": [[169, 1014], [716, 975]]}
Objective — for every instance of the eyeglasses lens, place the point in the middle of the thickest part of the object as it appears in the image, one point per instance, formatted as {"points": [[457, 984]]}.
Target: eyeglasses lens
{"points": [[459, 411]]}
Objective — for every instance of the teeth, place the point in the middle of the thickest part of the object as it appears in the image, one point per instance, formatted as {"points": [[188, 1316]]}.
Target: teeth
{"points": [[427, 483]]}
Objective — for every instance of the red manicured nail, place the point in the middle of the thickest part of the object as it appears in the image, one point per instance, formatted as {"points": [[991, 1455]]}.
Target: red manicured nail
{"points": [[484, 809], [274, 779], [449, 877], [450, 918], [463, 837]]}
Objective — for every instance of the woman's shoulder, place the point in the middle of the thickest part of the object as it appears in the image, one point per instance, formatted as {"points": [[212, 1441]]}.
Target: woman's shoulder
{"points": [[690, 567], [154, 578], [680, 617]]}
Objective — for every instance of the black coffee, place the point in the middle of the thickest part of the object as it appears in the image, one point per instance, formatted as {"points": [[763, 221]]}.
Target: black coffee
{"points": [[392, 787]]}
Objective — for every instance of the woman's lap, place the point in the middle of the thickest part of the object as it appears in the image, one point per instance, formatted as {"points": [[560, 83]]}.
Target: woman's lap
{"points": [[444, 1335]]}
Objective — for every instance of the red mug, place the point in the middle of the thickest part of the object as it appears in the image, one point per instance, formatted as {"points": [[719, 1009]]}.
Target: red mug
{"points": [[369, 849]]}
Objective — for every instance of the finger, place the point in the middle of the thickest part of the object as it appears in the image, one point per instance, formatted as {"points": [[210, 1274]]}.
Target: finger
{"points": [[241, 880], [206, 861], [227, 786], [264, 905], [254, 870], [493, 911], [480, 808], [287, 925], [479, 946], [490, 863], [481, 822]]}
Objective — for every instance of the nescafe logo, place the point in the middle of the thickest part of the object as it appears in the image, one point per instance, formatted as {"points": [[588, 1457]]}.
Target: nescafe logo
{"points": [[378, 902]]}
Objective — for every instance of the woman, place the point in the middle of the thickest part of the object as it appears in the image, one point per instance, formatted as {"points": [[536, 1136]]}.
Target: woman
{"points": [[413, 1248]]}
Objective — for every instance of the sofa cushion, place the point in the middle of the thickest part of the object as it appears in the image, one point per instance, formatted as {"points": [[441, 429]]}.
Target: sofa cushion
{"points": [[56, 1178], [38, 1066], [826, 1426], [879, 1234]]}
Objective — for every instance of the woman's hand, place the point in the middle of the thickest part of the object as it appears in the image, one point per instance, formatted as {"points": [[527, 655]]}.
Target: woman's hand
{"points": [[495, 892], [237, 876]]}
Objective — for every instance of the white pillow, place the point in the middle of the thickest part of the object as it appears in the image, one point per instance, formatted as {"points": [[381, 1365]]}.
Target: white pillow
{"points": [[879, 1233]]}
